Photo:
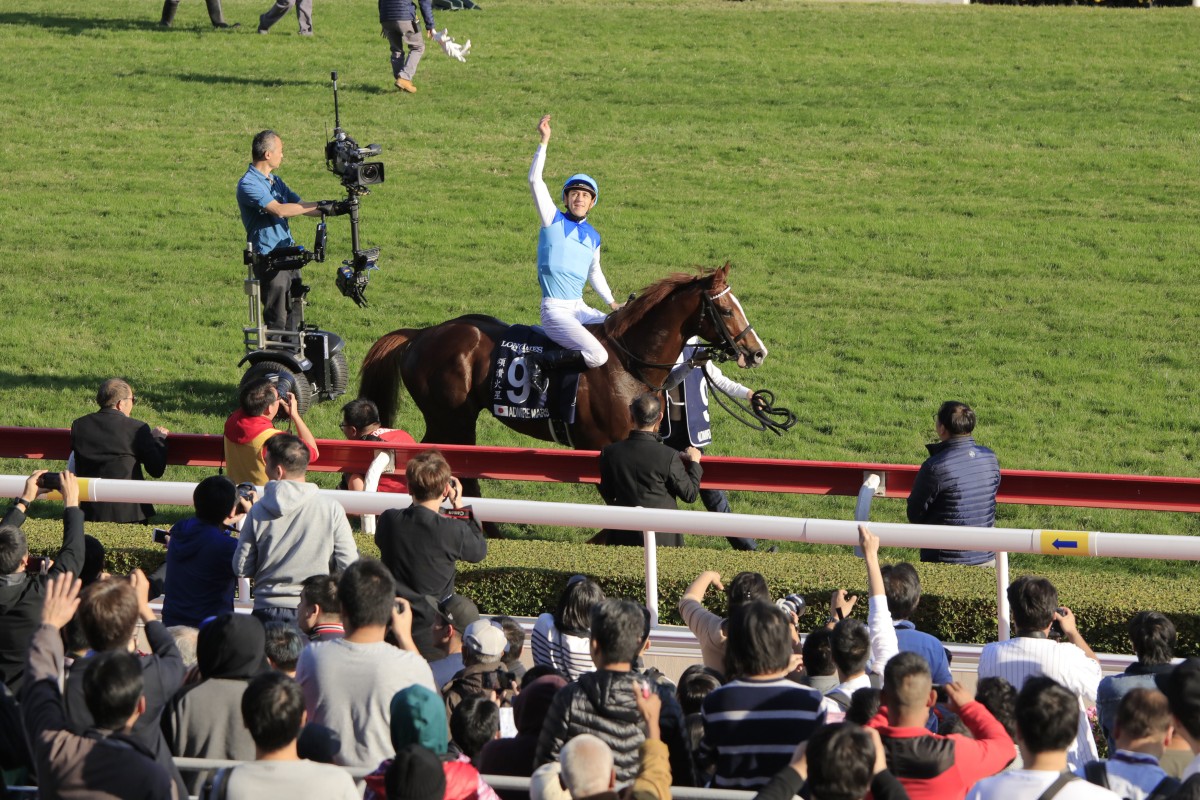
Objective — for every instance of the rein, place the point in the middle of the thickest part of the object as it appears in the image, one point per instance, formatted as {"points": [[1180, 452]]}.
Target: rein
{"points": [[759, 414], [728, 349], [637, 362]]}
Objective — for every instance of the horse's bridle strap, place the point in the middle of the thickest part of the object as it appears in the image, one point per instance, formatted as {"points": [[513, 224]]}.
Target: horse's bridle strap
{"points": [[729, 341]]}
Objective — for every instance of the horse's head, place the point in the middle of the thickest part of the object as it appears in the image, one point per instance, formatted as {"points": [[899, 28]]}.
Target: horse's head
{"points": [[724, 323]]}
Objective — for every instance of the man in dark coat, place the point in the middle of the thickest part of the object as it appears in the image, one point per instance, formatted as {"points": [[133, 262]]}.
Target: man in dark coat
{"points": [[111, 444], [642, 471], [109, 611], [421, 544], [956, 485]]}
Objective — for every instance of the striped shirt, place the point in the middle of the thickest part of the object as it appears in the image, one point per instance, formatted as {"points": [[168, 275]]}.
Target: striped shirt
{"points": [[1023, 657], [751, 728], [570, 655]]}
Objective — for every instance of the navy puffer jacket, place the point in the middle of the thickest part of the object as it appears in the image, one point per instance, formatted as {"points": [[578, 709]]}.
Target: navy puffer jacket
{"points": [[956, 485], [405, 10]]}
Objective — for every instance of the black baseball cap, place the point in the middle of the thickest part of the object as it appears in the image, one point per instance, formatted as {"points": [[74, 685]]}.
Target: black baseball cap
{"points": [[459, 610]]}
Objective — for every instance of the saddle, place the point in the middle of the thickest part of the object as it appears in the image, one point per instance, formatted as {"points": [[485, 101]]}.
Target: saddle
{"points": [[513, 395]]}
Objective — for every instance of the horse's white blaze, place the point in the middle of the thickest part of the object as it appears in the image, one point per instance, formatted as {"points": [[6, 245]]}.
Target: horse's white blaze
{"points": [[757, 344]]}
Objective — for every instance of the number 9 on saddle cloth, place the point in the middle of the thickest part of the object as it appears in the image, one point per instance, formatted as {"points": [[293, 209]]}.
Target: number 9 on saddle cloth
{"points": [[513, 394]]}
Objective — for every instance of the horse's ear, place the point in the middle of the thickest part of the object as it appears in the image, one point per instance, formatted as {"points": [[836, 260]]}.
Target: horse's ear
{"points": [[721, 275]]}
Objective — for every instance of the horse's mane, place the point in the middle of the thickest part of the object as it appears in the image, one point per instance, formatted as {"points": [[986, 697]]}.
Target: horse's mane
{"points": [[635, 310]]}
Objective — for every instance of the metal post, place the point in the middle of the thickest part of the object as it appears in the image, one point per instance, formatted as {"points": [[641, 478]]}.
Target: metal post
{"points": [[1002, 612], [651, 547]]}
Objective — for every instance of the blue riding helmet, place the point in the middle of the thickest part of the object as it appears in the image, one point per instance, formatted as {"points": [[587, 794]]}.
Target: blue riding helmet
{"points": [[581, 181]]}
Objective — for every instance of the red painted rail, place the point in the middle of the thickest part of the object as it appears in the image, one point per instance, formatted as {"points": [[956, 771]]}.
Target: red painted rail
{"points": [[1026, 487]]}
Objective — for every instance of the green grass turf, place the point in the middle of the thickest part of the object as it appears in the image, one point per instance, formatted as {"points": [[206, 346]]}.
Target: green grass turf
{"points": [[994, 204]]}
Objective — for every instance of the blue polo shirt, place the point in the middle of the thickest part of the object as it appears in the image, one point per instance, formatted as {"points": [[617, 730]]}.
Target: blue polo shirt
{"points": [[255, 192], [911, 640]]}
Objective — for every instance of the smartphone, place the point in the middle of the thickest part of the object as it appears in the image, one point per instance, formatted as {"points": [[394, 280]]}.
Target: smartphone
{"points": [[245, 490], [50, 481], [38, 565], [160, 535]]}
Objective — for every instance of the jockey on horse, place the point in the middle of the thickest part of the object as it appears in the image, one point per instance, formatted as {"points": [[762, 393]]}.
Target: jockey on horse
{"points": [[568, 255]]}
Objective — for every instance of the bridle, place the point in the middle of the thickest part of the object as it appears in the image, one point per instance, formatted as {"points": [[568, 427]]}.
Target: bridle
{"points": [[729, 343], [708, 310], [761, 414]]}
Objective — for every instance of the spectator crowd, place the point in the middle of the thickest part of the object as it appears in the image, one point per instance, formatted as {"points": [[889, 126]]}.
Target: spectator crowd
{"points": [[383, 667]]}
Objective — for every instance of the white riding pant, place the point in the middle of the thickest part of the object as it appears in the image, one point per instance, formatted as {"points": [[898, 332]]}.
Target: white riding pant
{"points": [[564, 321]]}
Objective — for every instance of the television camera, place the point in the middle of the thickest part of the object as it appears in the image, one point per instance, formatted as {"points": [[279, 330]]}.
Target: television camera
{"points": [[344, 158], [309, 362]]}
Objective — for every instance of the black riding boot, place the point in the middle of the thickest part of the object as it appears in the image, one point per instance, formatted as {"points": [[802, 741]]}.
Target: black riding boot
{"points": [[168, 15], [217, 17], [540, 366]]}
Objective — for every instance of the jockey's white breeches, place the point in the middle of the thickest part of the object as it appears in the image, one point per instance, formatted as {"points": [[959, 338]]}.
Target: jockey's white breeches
{"points": [[564, 321]]}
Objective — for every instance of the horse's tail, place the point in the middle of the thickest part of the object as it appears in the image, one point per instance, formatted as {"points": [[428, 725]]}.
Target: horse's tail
{"points": [[380, 378]]}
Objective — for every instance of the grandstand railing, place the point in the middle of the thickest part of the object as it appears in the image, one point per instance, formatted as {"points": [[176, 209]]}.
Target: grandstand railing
{"points": [[817, 531], [1027, 487], [499, 782]]}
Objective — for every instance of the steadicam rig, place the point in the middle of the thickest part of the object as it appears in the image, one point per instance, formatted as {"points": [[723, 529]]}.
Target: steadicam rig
{"points": [[344, 158]]}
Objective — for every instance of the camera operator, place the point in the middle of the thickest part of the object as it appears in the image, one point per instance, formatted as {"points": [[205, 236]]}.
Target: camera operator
{"points": [[266, 204], [22, 586]]}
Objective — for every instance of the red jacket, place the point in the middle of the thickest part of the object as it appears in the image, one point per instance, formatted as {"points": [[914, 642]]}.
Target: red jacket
{"points": [[935, 767], [244, 440], [463, 782], [393, 482]]}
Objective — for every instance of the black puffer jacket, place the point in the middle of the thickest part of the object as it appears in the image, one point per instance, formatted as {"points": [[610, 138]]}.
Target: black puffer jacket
{"points": [[602, 703]]}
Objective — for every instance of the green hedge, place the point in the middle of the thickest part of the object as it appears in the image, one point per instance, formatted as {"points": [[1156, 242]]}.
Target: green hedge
{"points": [[524, 578]]}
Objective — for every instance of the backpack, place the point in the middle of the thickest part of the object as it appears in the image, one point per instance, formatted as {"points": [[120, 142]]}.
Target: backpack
{"points": [[217, 785], [841, 698], [1059, 784], [1097, 772]]}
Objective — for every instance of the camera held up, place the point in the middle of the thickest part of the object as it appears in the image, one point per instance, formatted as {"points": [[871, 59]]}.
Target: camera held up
{"points": [[793, 604]]}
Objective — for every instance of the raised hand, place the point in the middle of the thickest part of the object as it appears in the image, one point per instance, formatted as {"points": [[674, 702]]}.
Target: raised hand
{"points": [[62, 599]]}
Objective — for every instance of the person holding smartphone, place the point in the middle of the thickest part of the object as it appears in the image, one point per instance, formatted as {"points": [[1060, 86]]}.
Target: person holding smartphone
{"points": [[22, 589], [199, 582], [422, 543]]}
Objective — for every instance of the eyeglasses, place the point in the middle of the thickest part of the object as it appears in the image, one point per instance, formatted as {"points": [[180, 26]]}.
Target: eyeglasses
{"points": [[132, 399]]}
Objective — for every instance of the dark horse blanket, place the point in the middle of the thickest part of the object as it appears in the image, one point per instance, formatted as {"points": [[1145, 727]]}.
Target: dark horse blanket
{"points": [[513, 394]]}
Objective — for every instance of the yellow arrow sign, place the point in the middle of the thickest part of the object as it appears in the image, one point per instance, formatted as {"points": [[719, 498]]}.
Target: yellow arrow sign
{"points": [[1065, 543]]}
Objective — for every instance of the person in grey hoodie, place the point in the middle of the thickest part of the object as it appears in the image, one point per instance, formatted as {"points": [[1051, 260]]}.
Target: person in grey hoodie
{"points": [[290, 534]]}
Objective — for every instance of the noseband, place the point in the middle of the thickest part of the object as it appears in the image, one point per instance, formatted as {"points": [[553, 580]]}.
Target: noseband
{"points": [[729, 342]]}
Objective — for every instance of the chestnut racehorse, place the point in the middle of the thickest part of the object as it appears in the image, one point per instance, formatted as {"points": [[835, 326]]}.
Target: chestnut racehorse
{"points": [[445, 367]]}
